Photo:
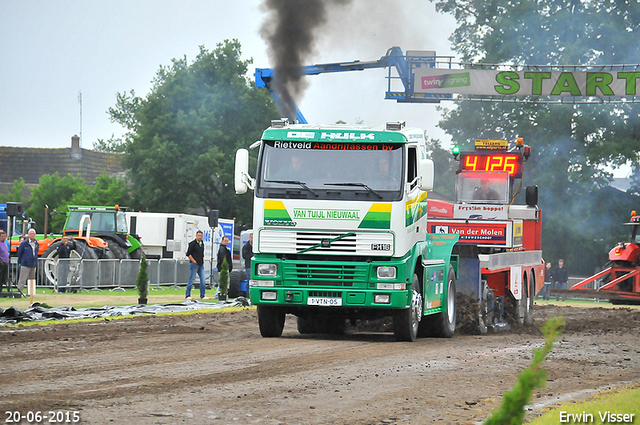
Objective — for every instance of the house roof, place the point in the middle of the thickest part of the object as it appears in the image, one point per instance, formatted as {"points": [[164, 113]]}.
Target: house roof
{"points": [[32, 163]]}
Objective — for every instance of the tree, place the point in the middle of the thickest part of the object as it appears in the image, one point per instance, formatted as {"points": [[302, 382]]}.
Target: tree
{"points": [[142, 281], [108, 190], [16, 193], [445, 169], [59, 192], [571, 144], [55, 192], [113, 145], [183, 135]]}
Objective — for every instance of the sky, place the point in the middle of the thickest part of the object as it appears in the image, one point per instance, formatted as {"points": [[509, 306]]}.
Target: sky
{"points": [[53, 50]]}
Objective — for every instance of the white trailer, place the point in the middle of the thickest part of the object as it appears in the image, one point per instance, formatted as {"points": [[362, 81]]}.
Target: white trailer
{"points": [[167, 235]]}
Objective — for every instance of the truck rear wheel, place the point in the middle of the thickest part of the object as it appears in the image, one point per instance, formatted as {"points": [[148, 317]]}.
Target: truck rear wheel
{"points": [[443, 324], [485, 317], [331, 325], [270, 320], [406, 321], [516, 311], [530, 290], [306, 325]]}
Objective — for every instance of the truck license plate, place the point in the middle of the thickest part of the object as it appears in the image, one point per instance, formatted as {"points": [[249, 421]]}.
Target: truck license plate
{"points": [[328, 302]]}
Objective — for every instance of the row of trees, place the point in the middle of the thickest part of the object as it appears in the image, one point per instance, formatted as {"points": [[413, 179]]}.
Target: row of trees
{"points": [[179, 145], [181, 138], [59, 192]]}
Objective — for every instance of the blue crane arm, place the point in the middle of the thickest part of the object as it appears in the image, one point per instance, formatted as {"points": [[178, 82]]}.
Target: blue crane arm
{"points": [[393, 59]]}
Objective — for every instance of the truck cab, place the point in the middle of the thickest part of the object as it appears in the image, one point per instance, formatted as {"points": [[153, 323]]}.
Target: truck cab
{"points": [[340, 229]]}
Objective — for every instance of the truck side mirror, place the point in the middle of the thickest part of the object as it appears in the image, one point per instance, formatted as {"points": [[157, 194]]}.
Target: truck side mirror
{"points": [[532, 196], [241, 179], [426, 174]]}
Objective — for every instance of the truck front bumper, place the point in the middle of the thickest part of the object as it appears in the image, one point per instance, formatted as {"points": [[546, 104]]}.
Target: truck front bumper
{"points": [[330, 283], [330, 297]]}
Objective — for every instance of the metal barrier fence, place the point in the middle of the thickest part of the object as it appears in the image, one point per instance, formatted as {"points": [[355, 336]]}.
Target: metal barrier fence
{"points": [[69, 274]]}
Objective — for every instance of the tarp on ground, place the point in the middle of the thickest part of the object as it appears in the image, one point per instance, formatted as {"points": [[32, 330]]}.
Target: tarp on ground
{"points": [[36, 312]]}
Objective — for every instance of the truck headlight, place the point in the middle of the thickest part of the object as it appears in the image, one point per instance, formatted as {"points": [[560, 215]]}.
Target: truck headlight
{"points": [[382, 298], [268, 295], [266, 269], [386, 272], [262, 283]]}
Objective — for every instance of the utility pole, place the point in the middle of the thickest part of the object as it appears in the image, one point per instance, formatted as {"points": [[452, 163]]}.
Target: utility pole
{"points": [[80, 102]]}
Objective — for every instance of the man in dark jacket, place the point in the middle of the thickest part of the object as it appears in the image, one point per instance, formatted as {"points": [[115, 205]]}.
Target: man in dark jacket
{"points": [[247, 255], [28, 259], [560, 278], [195, 252], [64, 253], [223, 253]]}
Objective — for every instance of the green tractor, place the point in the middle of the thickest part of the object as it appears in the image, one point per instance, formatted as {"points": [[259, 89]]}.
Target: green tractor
{"points": [[98, 233]]}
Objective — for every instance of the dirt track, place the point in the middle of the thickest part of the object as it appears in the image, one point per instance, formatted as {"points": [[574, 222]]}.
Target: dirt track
{"points": [[215, 368]]}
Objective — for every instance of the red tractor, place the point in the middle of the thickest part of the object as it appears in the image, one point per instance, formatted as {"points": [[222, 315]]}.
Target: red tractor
{"points": [[619, 282]]}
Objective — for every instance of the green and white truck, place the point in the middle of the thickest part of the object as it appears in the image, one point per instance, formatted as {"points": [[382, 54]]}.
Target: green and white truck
{"points": [[340, 230]]}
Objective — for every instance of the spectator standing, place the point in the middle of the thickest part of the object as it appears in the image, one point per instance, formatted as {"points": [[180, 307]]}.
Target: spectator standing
{"points": [[247, 255], [548, 278], [195, 252], [224, 253], [28, 259], [64, 253], [560, 278], [4, 260]]}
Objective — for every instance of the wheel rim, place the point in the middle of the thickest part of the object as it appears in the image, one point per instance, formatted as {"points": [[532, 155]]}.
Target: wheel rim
{"points": [[416, 309], [51, 265], [483, 309], [416, 304], [524, 303], [451, 302]]}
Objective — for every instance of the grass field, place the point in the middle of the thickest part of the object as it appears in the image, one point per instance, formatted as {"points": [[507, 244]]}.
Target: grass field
{"points": [[619, 402], [100, 299]]}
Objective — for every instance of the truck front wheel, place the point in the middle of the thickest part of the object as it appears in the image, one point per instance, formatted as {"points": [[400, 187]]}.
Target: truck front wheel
{"points": [[406, 321], [271, 321]]}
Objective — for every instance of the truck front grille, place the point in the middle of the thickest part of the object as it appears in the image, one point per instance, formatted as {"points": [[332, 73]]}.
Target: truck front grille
{"points": [[325, 294], [378, 244], [313, 274]]}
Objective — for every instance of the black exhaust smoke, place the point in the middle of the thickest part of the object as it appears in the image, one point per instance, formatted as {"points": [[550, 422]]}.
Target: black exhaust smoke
{"points": [[289, 32]]}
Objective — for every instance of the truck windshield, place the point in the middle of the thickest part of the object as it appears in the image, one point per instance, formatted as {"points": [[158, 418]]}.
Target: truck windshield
{"points": [[331, 170], [483, 187]]}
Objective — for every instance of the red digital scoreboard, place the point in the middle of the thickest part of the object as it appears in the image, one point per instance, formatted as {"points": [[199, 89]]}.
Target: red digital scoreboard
{"points": [[510, 162]]}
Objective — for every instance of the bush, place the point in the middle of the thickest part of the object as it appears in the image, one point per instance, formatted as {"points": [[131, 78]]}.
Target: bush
{"points": [[142, 281], [224, 277], [512, 410]]}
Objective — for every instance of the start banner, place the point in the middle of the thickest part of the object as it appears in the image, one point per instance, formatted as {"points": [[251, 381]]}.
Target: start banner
{"points": [[485, 82]]}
